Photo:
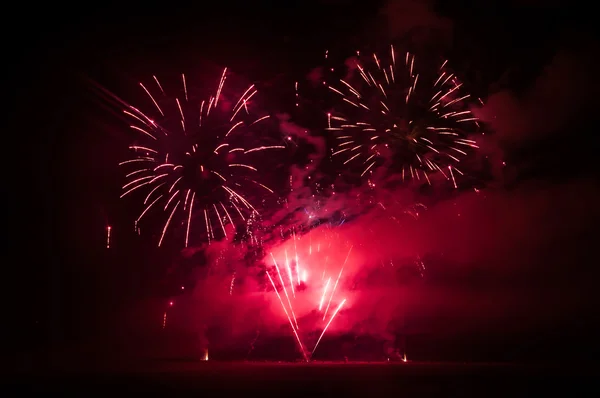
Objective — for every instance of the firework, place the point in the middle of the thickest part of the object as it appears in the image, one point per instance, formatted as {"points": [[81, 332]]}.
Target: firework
{"points": [[194, 158], [310, 279], [399, 111]]}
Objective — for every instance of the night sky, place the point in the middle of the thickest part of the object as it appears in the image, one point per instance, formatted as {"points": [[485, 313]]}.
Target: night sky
{"points": [[64, 286]]}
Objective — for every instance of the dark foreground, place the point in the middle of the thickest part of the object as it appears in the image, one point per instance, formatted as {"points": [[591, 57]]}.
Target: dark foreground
{"points": [[314, 379]]}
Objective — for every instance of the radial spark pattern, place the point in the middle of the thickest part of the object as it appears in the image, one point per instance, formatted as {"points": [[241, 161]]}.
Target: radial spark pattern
{"points": [[193, 161], [398, 111]]}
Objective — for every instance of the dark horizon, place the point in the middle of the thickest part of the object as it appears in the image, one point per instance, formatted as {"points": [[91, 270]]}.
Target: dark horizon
{"points": [[68, 289]]}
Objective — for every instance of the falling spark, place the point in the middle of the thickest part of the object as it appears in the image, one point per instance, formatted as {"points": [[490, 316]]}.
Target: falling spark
{"points": [[108, 237], [452, 174], [231, 284], [184, 86]]}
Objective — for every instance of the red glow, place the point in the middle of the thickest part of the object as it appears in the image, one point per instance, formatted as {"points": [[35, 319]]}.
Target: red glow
{"points": [[306, 267]]}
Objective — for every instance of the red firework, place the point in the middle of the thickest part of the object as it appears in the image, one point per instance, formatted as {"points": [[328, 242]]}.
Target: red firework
{"points": [[310, 276], [194, 160], [397, 111]]}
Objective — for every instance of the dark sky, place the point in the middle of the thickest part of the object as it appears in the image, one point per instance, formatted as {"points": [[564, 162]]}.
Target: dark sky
{"points": [[67, 139]]}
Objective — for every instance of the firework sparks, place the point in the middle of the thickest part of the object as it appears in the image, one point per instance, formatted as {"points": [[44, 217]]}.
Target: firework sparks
{"points": [[288, 317], [339, 307], [285, 290], [231, 284], [310, 294], [402, 113], [164, 322], [324, 292], [195, 161], [336, 283]]}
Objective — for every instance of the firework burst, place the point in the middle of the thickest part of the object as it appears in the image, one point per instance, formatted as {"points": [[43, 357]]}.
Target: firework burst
{"points": [[399, 111], [194, 159]]}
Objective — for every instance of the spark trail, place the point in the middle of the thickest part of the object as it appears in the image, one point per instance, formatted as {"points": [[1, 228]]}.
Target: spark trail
{"points": [[310, 292]]}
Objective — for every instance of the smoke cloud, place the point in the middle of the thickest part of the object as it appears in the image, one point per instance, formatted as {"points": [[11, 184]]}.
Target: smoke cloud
{"points": [[467, 262], [402, 17], [557, 96]]}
